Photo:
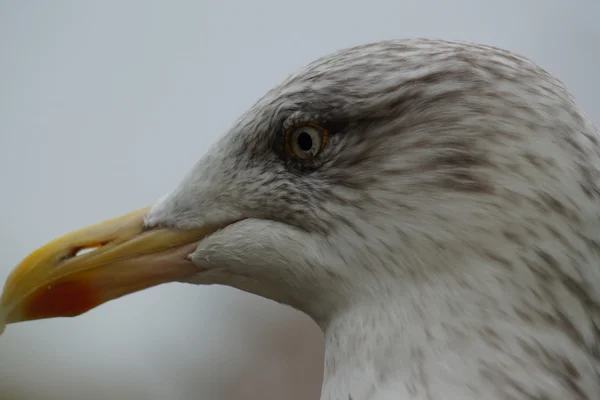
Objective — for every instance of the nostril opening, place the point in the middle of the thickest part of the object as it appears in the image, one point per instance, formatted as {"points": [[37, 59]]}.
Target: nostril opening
{"points": [[84, 250], [80, 251]]}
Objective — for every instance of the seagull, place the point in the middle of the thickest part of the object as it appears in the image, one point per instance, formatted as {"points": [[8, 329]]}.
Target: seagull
{"points": [[432, 205]]}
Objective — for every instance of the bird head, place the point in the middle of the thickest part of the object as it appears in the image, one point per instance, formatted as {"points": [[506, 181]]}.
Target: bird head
{"points": [[368, 168]]}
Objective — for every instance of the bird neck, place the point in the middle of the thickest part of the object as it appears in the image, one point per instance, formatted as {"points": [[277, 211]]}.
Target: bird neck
{"points": [[379, 343], [457, 336]]}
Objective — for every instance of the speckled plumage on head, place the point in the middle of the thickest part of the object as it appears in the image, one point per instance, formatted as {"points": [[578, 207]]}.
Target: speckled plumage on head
{"points": [[446, 239]]}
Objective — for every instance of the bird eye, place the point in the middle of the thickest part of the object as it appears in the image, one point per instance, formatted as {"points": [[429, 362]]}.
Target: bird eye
{"points": [[306, 141]]}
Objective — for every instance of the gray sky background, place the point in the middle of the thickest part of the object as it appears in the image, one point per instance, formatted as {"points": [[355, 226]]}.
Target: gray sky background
{"points": [[105, 105]]}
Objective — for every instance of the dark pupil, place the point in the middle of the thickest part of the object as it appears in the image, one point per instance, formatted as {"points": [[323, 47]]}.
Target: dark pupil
{"points": [[305, 141]]}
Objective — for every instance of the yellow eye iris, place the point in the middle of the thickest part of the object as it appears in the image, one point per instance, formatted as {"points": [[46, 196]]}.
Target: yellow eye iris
{"points": [[305, 141]]}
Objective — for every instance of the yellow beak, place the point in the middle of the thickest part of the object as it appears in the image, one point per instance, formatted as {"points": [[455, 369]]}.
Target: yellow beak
{"points": [[56, 281]]}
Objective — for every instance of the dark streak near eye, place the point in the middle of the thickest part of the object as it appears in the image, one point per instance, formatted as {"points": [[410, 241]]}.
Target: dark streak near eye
{"points": [[335, 126]]}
